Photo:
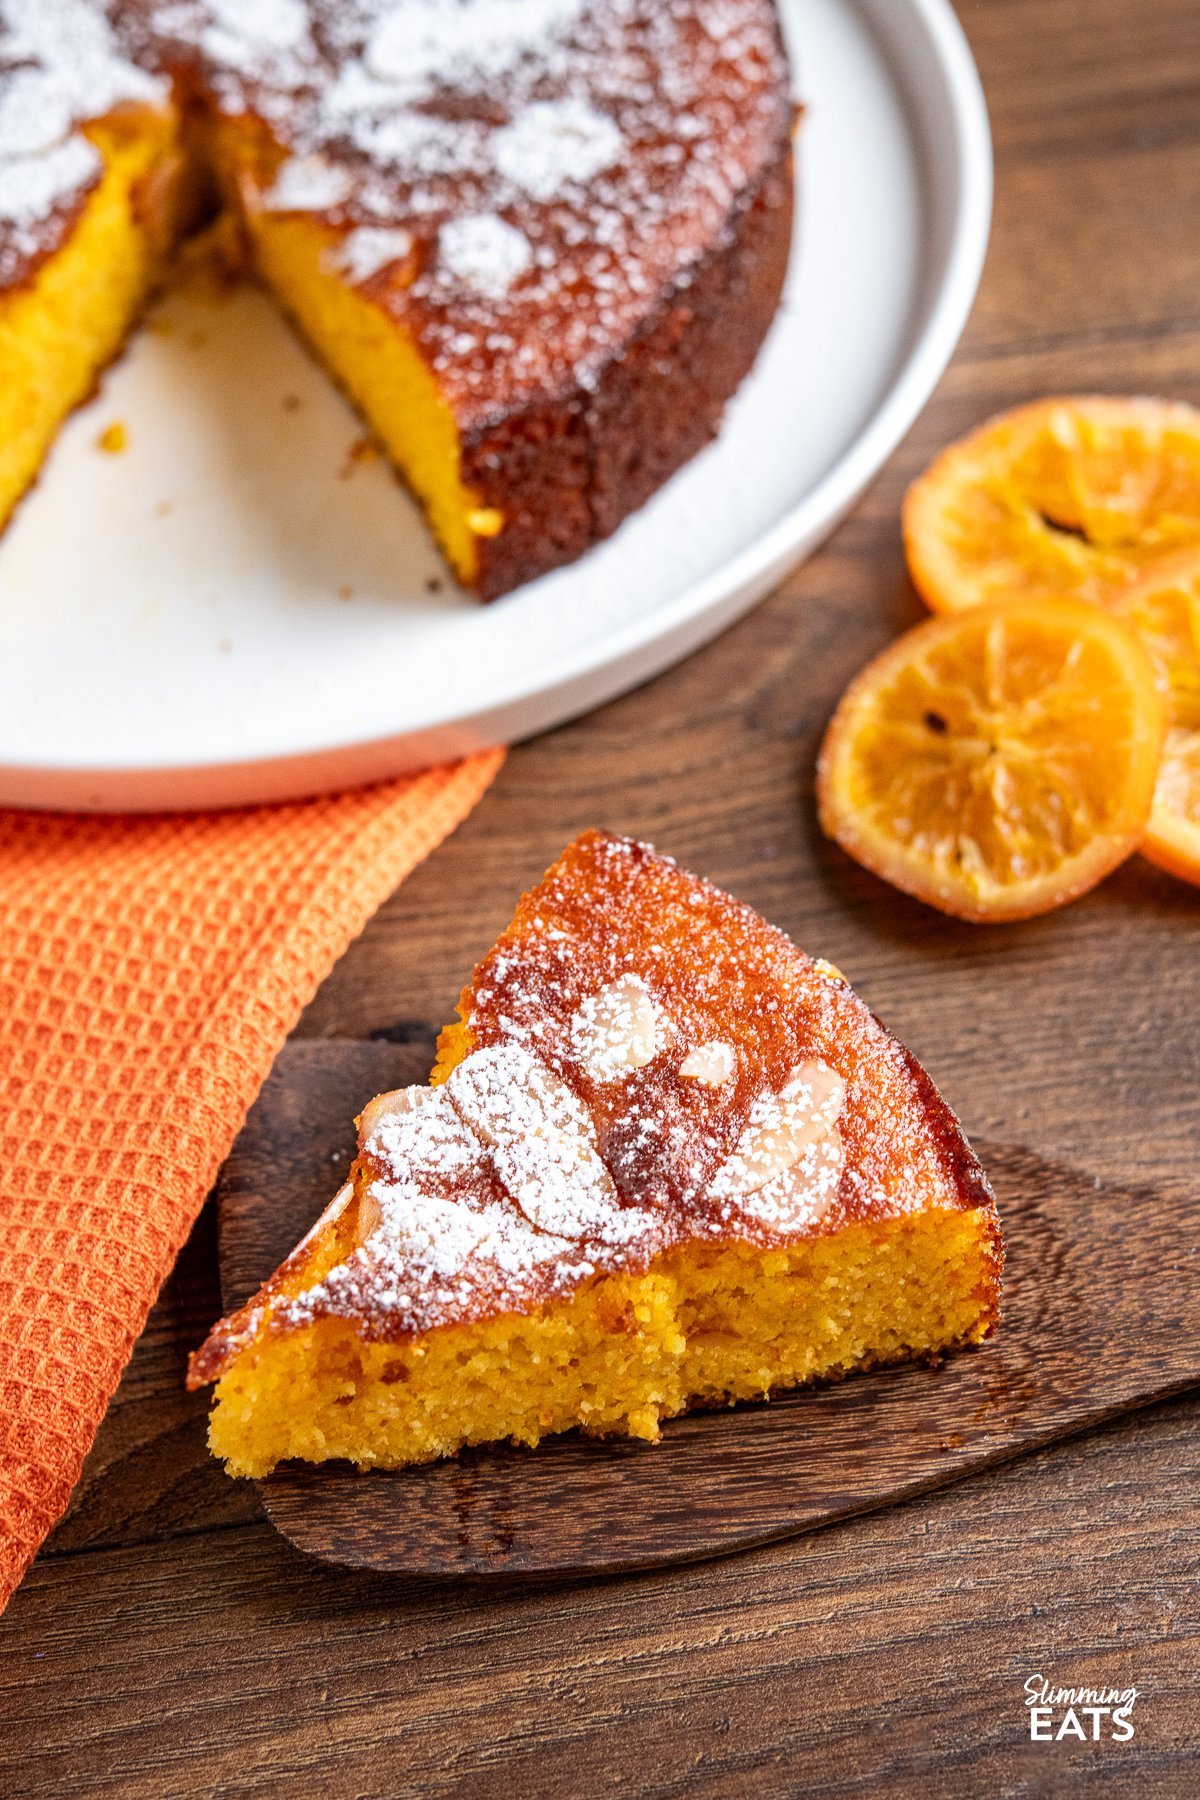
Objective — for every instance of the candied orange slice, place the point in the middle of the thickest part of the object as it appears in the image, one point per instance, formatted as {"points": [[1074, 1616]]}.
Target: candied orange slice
{"points": [[998, 762], [1164, 609], [1070, 497]]}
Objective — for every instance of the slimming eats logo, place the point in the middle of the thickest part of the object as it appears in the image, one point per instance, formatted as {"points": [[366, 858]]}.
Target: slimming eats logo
{"points": [[1057, 1712]]}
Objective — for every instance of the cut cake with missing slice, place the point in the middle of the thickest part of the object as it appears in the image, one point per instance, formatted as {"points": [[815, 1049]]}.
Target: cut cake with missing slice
{"points": [[665, 1160], [538, 242]]}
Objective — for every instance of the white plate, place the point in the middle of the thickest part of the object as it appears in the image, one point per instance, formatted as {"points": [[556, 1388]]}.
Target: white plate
{"points": [[236, 610]]}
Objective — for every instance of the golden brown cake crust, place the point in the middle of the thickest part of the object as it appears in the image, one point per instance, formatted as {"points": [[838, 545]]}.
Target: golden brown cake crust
{"points": [[609, 912], [569, 473], [611, 905]]}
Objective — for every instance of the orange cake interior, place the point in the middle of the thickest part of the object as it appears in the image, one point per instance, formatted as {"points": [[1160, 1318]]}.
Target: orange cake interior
{"points": [[665, 1160], [70, 316]]}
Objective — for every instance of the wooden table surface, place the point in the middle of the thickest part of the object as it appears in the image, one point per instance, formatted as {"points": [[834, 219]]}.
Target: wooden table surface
{"points": [[168, 1642]]}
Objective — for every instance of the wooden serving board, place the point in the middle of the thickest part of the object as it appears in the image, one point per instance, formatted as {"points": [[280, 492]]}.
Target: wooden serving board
{"points": [[1101, 1314]]}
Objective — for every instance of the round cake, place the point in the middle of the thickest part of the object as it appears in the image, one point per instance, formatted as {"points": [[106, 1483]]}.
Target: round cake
{"points": [[538, 242]]}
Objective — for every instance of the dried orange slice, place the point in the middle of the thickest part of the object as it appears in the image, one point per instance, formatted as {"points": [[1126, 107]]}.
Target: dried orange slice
{"points": [[997, 762], [1164, 609], [1074, 497]]}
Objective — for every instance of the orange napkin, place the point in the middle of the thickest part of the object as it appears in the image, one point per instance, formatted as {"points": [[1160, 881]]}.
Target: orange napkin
{"points": [[150, 968]]}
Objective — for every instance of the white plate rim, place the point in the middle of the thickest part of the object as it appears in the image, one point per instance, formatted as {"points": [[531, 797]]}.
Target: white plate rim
{"points": [[645, 646]]}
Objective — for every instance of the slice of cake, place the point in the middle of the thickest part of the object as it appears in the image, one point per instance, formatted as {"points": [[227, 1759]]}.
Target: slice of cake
{"points": [[664, 1160]]}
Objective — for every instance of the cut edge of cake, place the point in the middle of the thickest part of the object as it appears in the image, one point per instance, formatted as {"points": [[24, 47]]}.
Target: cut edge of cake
{"points": [[63, 326]]}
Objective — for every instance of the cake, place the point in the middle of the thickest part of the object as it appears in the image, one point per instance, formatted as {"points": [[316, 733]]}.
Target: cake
{"points": [[537, 242], [664, 1161]]}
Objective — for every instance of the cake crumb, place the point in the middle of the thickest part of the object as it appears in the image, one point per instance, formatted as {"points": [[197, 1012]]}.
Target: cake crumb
{"points": [[362, 450], [113, 439]]}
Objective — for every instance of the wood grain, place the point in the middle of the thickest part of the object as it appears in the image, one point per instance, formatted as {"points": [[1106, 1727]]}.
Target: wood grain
{"points": [[169, 1643], [885, 1656], [1097, 1317]]}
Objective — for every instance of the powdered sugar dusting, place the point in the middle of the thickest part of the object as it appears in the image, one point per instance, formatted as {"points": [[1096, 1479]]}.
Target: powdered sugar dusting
{"points": [[60, 64], [780, 1128], [419, 46], [70, 48], [553, 144], [799, 1197], [307, 184], [494, 1182], [485, 1183], [712, 1063], [260, 25], [543, 1143], [616, 1029], [261, 41], [32, 186], [35, 113], [557, 163], [423, 1131], [366, 250], [484, 253]]}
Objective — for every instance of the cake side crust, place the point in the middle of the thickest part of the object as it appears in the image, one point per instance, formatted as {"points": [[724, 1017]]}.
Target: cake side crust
{"points": [[565, 475]]}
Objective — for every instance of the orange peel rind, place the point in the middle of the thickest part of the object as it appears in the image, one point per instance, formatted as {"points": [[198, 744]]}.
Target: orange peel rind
{"points": [[999, 762], [1164, 609], [1075, 497]]}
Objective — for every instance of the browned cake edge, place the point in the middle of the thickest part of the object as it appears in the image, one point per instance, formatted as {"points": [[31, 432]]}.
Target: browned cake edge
{"points": [[567, 472]]}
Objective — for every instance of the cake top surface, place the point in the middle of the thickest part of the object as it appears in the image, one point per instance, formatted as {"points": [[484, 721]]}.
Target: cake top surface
{"points": [[552, 164], [643, 1062], [60, 63], [517, 179]]}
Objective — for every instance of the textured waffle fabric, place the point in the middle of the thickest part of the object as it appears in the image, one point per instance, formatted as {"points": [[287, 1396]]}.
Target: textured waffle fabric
{"points": [[150, 968]]}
